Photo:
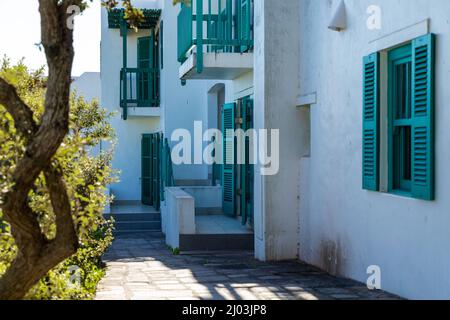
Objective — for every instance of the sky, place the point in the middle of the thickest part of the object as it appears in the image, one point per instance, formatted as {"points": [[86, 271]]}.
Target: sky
{"points": [[20, 31]]}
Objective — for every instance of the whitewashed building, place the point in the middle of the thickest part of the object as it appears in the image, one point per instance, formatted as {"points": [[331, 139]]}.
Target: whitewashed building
{"points": [[357, 90]]}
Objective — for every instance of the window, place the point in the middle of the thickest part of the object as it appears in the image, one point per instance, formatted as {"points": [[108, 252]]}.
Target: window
{"points": [[410, 113]]}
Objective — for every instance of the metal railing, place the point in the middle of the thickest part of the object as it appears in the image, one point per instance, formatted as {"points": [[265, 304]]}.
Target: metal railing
{"points": [[139, 87], [214, 26]]}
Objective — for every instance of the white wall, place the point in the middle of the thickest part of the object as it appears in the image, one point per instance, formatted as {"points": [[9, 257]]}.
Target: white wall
{"points": [[243, 86], [88, 85], [183, 105], [178, 215], [127, 158], [276, 89], [180, 106], [347, 228]]}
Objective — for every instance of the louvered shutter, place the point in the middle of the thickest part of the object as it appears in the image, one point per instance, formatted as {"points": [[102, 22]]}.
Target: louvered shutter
{"points": [[146, 165], [247, 169], [423, 118], [245, 15], [143, 63], [371, 118], [229, 167]]}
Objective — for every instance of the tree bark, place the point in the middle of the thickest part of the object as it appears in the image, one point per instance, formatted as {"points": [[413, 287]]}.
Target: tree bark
{"points": [[36, 254]]}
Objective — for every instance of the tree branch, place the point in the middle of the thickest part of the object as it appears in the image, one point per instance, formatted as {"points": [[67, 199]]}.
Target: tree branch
{"points": [[21, 113], [66, 241]]}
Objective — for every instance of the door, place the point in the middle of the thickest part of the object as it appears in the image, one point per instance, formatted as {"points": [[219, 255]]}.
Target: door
{"points": [[146, 170], [229, 167], [247, 169]]}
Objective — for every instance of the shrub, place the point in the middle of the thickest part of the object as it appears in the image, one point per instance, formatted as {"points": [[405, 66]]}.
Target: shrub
{"points": [[77, 277], [86, 176]]}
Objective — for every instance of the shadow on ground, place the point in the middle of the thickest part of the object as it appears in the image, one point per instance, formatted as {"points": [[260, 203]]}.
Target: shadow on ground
{"points": [[140, 267]]}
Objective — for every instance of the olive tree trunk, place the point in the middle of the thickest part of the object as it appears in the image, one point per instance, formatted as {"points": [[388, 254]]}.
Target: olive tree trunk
{"points": [[36, 254]]}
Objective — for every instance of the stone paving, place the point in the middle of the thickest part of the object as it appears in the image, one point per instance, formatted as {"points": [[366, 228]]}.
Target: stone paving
{"points": [[140, 267]]}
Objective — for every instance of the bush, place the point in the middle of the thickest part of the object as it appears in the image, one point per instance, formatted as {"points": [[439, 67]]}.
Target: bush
{"points": [[86, 176], [77, 277]]}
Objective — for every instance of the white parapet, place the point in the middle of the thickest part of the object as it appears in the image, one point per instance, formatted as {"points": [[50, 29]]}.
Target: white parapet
{"points": [[177, 215]]}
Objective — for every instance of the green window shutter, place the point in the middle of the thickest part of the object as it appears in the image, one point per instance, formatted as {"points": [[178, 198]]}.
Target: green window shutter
{"points": [[229, 170], [143, 52], [247, 169], [146, 76], [156, 169], [371, 118], [143, 63], [423, 118], [245, 15], [146, 165]]}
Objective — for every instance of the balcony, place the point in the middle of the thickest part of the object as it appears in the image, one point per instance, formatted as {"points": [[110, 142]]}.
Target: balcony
{"points": [[140, 85], [139, 88], [215, 39]]}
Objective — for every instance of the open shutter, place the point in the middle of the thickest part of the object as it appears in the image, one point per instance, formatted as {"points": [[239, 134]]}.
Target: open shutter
{"points": [[143, 64], [371, 118], [247, 169], [156, 170], [146, 165], [423, 118], [245, 16], [229, 167]]}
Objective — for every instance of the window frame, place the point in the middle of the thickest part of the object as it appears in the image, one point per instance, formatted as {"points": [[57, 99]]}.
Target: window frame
{"points": [[375, 129]]}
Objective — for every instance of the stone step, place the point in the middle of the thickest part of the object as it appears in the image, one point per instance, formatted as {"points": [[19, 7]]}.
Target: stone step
{"points": [[216, 242], [129, 217], [138, 225], [156, 233]]}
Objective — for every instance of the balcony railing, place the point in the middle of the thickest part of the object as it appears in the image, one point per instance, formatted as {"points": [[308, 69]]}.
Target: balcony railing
{"points": [[139, 87], [214, 26]]}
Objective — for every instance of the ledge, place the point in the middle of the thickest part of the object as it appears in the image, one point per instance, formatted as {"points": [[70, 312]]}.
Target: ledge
{"points": [[217, 66], [307, 99], [143, 112]]}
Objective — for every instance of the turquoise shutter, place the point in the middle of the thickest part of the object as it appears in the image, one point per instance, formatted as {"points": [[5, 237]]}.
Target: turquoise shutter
{"points": [[371, 120], [423, 118], [229, 168], [245, 15], [146, 163]]}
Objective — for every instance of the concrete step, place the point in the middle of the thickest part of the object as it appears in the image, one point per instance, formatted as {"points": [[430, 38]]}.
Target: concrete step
{"points": [[138, 225], [128, 217], [217, 242], [155, 233]]}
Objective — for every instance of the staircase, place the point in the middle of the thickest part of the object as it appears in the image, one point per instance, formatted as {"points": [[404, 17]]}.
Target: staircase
{"points": [[134, 218]]}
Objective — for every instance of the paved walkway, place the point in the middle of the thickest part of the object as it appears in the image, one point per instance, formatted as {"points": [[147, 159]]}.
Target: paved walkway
{"points": [[142, 268]]}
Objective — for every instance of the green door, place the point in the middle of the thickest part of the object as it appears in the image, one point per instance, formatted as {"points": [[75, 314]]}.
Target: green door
{"points": [[247, 169], [229, 167], [146, 170]]}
